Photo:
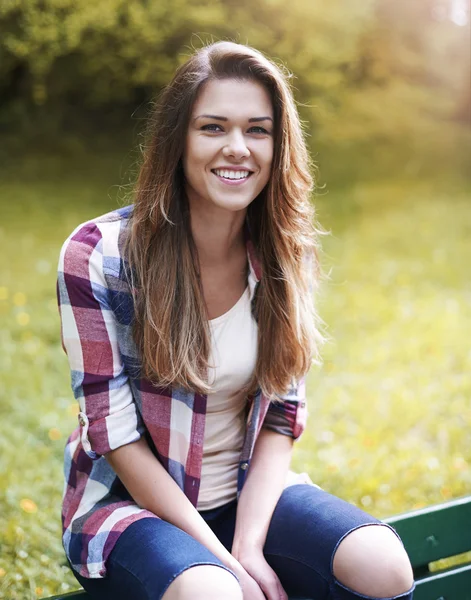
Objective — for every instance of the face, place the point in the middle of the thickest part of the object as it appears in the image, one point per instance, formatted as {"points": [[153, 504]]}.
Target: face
{"points": [[229, 145]]}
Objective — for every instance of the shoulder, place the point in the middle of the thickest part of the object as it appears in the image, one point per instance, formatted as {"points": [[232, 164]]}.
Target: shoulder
{"points": [[96, 243]]}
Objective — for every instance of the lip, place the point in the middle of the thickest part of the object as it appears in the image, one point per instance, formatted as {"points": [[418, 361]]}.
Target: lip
{"points": [[232, 168]]}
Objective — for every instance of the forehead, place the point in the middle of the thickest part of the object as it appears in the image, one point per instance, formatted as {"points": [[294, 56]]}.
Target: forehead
{"points": [[233, 98]]}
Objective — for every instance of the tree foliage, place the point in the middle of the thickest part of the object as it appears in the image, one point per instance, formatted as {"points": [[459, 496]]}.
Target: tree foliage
{"points": [[370, 72]]}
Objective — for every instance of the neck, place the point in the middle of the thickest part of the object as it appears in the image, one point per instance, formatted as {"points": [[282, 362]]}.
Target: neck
{"points": [[218, 235]]}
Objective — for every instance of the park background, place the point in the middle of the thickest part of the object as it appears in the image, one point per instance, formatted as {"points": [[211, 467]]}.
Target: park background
{"points": [[384, 91]]}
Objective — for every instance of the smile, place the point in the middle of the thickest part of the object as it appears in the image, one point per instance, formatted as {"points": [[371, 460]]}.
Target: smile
{"points": [[230, 176]]}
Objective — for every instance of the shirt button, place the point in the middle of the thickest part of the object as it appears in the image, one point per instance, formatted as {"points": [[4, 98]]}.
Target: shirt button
{"points": [[244, 466]]}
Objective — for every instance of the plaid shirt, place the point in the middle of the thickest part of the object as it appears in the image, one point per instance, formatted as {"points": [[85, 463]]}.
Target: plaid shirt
{"points": [[118, 407]]}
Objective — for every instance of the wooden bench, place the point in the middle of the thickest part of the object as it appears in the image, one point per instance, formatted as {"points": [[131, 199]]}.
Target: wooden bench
{"points": [[430, 534]]}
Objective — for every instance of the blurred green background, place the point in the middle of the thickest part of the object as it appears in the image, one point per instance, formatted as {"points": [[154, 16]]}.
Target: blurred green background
{"points": [[384, 91]]}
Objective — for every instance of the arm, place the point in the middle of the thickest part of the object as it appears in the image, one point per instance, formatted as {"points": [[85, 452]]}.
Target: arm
{"points": [[262, 490], [259, 496], [143, 475], [108, 416], [265, 482], [283, 423], [154, 489]]}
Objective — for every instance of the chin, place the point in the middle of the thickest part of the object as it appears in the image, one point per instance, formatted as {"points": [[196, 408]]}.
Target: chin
{"points": [[235, 205]]}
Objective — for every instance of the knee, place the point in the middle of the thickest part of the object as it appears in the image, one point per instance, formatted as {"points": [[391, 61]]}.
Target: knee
{"points": [[372, 561], [204, 582]]}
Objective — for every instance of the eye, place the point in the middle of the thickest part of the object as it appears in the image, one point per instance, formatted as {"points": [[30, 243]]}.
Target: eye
{"points": [[211, 127], [258, 129]]}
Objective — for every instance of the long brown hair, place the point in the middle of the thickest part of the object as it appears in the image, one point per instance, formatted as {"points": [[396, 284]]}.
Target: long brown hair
{"points": [[171, 326]]}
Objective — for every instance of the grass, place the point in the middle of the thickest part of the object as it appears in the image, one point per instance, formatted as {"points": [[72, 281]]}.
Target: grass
{"points": [[390, 419], [390, 413]]}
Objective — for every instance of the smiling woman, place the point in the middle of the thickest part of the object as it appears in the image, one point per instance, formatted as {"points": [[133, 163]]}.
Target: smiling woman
{"points": [[189, 325]]}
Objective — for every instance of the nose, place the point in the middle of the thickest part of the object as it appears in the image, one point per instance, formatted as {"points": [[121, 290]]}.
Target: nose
{"points": [[236, 146]]}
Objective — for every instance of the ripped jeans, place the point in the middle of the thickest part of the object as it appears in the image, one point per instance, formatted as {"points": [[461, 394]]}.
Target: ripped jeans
{"points": [[307, 526]]}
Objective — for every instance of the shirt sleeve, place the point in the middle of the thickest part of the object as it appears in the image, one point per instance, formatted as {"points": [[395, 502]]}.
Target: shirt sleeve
{"points": [[108, 415], [289, 416]]}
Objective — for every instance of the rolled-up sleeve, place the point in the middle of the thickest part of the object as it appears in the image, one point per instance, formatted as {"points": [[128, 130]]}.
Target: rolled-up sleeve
{"points": [[108, 416], [289, 415]]}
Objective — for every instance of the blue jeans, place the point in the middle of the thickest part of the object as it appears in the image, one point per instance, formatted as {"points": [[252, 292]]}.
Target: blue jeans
{"points": [[306, 528]]}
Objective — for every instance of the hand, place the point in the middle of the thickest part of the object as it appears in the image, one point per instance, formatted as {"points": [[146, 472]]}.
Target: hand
{"points": [[250, 588], [260, 572]]}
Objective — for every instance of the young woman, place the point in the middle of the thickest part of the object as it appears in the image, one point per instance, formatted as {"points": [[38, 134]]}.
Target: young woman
{"points": [[188, 322]]}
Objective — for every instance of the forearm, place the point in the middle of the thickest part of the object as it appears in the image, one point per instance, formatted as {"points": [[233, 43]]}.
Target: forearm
{"points": [[153, 488], [262, 490]]}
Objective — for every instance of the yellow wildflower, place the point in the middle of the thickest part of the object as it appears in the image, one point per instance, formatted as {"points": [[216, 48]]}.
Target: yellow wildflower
{"points": [[446, 492], [54, 434], [39, 591], [2, 572], [28, 505], [459, 463], [23, 318], [19, 299]]}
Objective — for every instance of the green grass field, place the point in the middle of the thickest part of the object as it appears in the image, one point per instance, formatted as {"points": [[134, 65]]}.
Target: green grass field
{"points": [[390, 412]]}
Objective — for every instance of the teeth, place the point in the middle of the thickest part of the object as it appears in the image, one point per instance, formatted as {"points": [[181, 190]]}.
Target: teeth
{"points": [[232, 174]]}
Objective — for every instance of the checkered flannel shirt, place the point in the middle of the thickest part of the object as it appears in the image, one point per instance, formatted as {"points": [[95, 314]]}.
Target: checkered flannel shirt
{"points": [[118, 407]]}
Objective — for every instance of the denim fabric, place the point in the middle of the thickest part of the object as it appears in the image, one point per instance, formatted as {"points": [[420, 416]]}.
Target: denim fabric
{"points": [[148, 556], [306, 528]]}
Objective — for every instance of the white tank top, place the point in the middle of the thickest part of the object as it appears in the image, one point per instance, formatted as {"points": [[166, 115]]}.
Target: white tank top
{"points": [[233, 357]]}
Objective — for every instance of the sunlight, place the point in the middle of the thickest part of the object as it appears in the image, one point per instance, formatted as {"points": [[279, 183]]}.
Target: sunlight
{"points": [[459, 12]]}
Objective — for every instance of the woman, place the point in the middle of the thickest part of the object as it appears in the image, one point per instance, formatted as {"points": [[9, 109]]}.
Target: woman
{"points": [[189, 327]]}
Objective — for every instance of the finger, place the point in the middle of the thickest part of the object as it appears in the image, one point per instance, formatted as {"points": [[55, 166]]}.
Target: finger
{"points": [[271, 586], [254, 591], [250, 588]]}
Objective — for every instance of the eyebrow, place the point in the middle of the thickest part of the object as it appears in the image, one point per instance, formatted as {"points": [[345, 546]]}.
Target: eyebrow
{"points": [[218, 118]]}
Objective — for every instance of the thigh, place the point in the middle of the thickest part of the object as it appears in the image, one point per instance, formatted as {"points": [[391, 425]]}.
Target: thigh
{"points": [[147, 557], [306, 528]]}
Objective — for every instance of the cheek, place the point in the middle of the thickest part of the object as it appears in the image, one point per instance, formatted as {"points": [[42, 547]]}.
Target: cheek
{"points": [[268, 154], [192, 162], [198, 158], [268, 160]]}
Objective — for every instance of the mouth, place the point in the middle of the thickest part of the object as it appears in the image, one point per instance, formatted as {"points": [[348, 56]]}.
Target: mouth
{"points": [[232, 177]]}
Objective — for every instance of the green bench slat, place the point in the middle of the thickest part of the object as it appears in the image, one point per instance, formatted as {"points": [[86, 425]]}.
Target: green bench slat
{"points": [[454, 584], [435, 532]]}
